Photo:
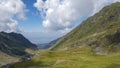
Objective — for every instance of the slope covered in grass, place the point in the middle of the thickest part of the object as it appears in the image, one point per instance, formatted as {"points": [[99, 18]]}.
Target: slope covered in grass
{"points": [[5, 59], [101, 30], [78, 57]]}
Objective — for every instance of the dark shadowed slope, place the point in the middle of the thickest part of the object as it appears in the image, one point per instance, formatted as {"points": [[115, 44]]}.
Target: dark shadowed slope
{"points": [[14, 44]]}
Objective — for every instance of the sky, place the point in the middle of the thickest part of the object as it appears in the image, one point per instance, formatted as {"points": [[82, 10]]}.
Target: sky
{"points": [[42, 21]]}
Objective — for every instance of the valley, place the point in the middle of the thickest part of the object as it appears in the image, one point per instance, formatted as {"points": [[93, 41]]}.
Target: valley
{"points": [[93, 44]]}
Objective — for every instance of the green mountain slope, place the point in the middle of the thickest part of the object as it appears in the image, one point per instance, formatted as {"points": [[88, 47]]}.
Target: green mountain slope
{"points": [[101, 30], [93, 44]]}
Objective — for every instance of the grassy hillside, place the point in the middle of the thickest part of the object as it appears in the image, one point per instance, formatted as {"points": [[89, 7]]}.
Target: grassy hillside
{"points": [[93, 44], [99, 30], [5, 59], [77, 57]]}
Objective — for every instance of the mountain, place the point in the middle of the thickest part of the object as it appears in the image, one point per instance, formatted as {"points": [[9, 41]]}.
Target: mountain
{"points": [[101, 32], [14, 44], [93, 44]]}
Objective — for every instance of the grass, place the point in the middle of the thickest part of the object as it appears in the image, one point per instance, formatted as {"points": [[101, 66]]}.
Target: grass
{"points": [[79, 57], [5, 59]]}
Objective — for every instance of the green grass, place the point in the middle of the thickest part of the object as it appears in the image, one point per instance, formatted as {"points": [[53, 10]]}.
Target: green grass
{"points": [[6, 59], [79, 57]]}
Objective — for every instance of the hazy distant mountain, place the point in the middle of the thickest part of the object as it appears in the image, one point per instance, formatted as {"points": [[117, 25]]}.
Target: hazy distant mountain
{"points": [[47, 45]]}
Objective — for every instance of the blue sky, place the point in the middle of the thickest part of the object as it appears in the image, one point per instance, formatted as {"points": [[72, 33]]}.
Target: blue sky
{"points": [[33, 21], [42, 21]]}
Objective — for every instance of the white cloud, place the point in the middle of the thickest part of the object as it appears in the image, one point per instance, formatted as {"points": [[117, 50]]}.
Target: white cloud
{"points": [[99, 4], [62, 14], [9, 9]]}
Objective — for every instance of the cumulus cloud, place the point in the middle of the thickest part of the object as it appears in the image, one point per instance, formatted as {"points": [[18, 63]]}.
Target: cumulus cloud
{"points": [[62, 14], [9, 11]]}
